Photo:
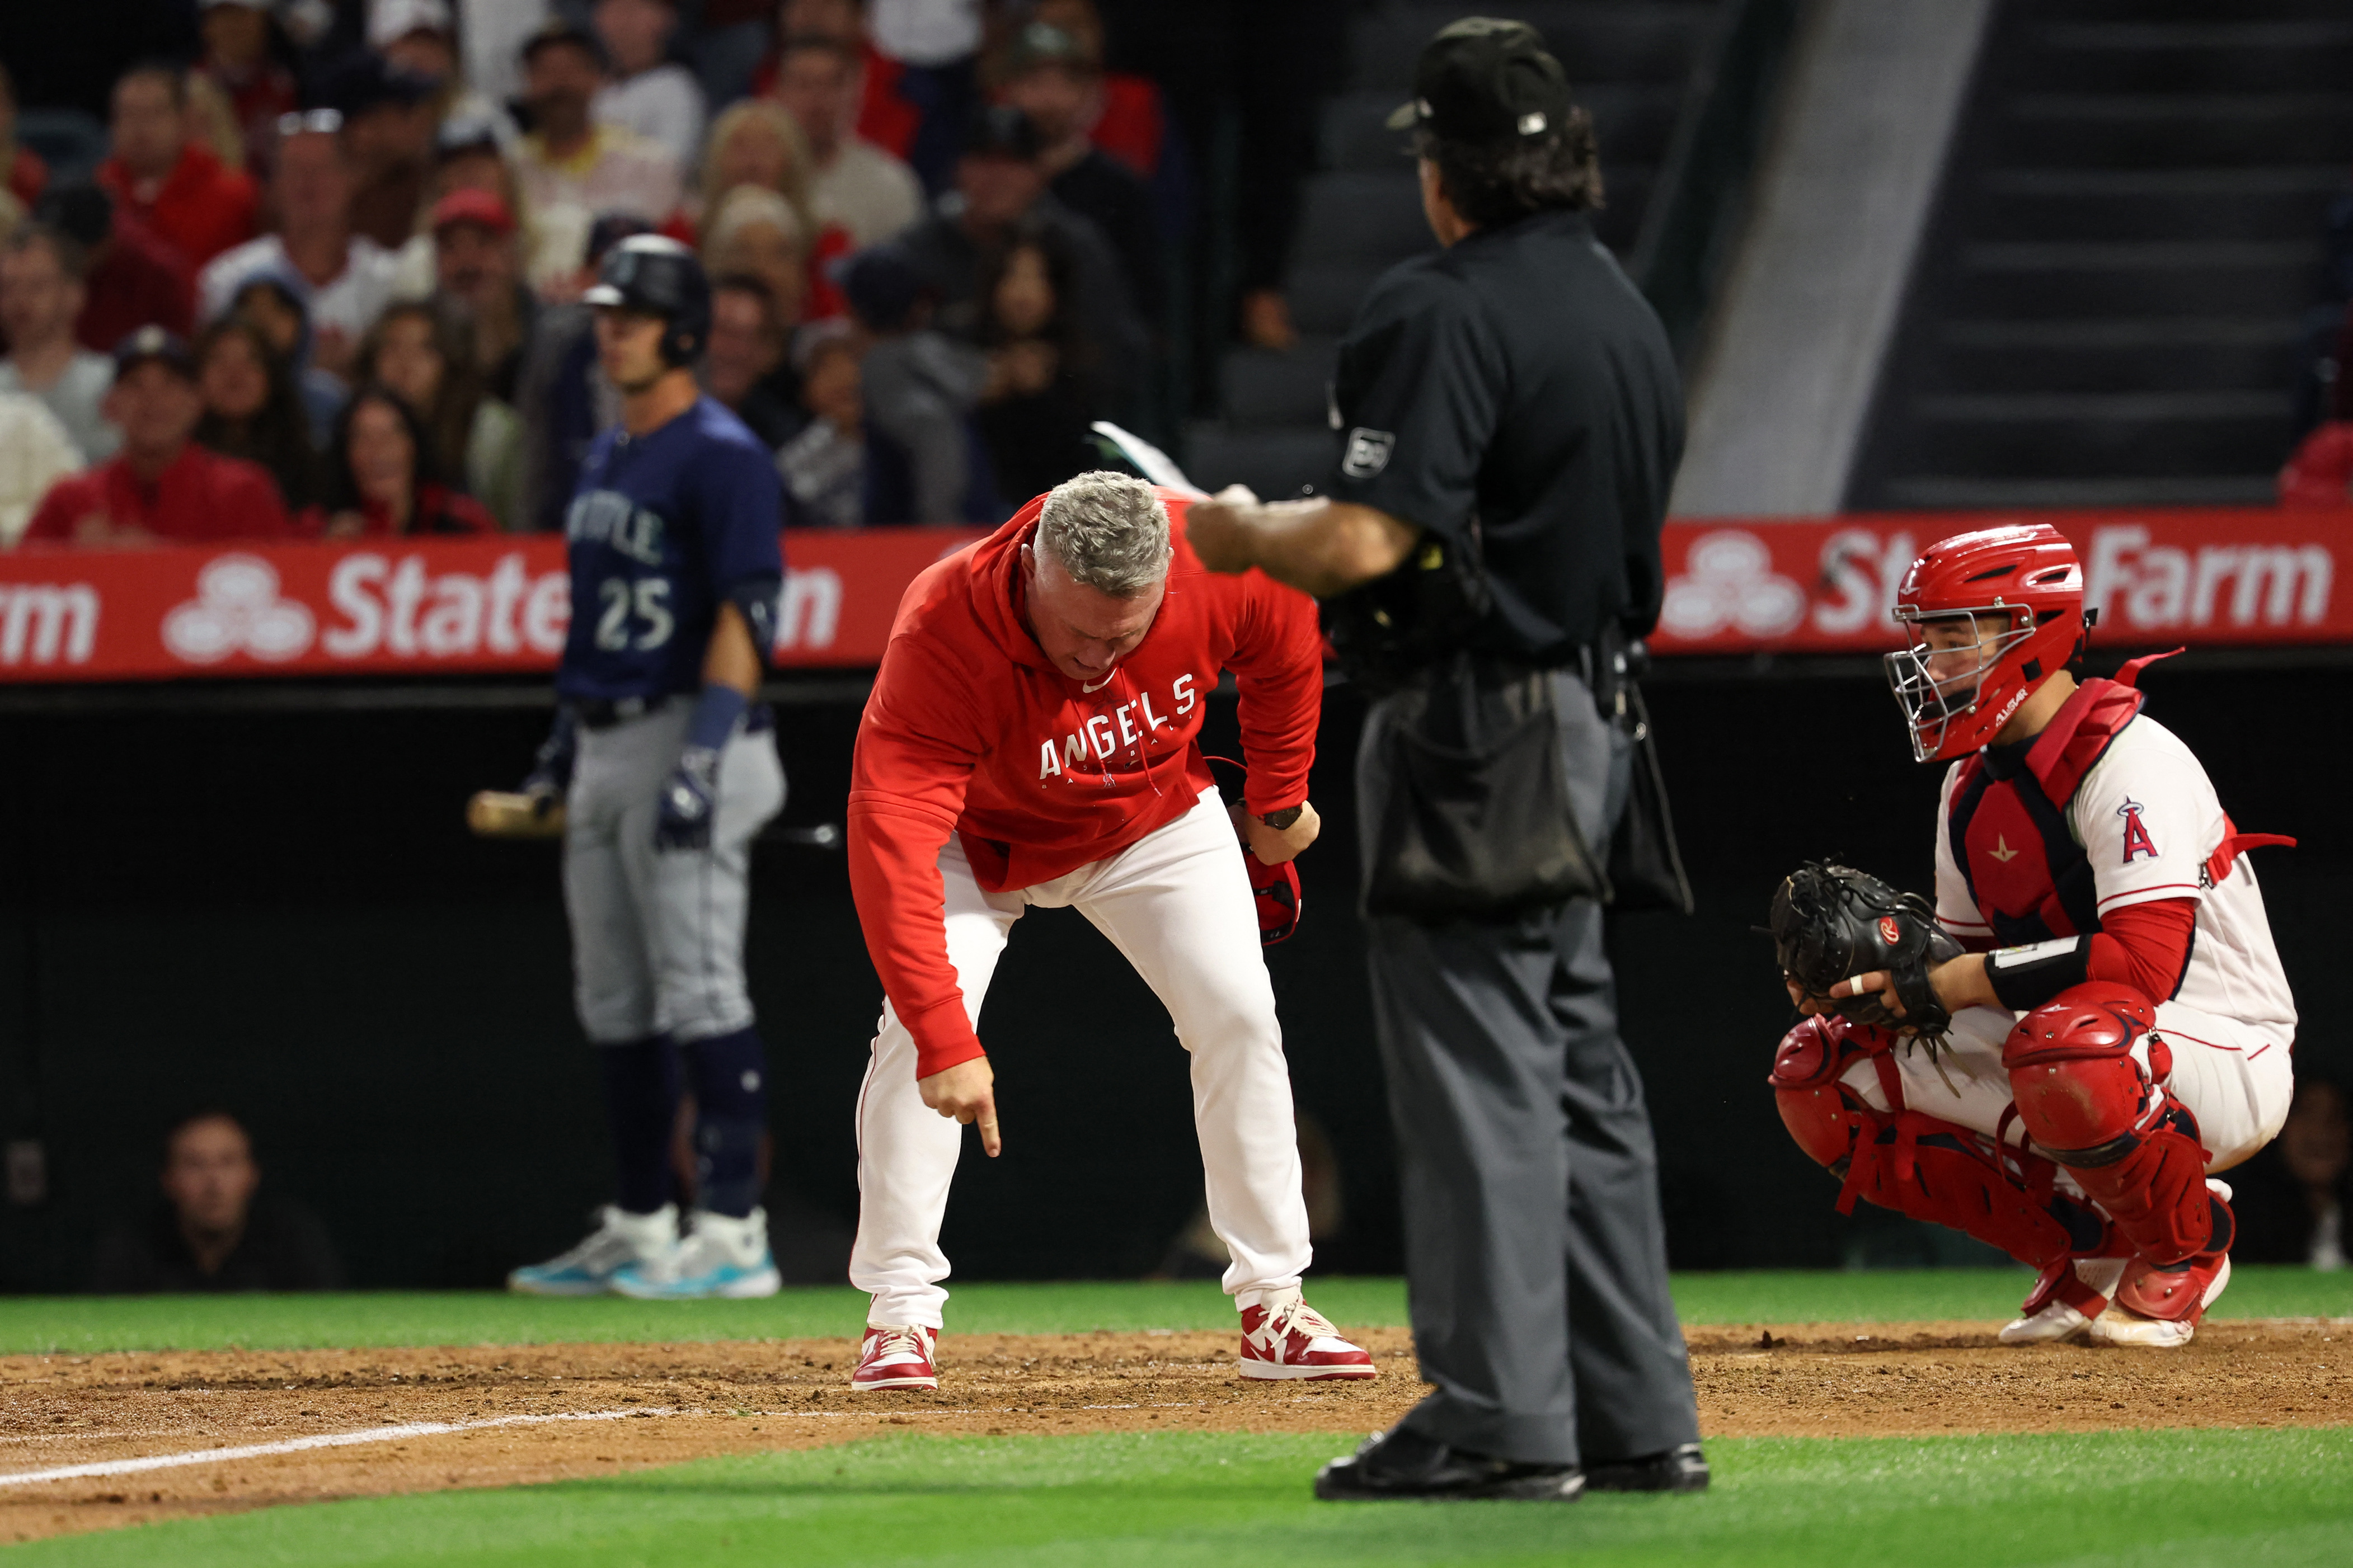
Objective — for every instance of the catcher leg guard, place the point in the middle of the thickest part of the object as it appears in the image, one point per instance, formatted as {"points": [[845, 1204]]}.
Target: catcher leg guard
{"points": [[2107, 1120], [1917, 1165]]}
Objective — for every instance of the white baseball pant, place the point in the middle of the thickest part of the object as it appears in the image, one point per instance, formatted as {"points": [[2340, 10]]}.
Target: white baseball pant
{"points": [[2236, 1079], [1177, 904]]}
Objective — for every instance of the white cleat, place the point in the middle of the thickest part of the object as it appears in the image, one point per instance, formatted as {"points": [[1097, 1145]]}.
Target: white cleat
{"points": [[2055, 1325], [2059, 1321], [2125, 1330], [621, 1240]]}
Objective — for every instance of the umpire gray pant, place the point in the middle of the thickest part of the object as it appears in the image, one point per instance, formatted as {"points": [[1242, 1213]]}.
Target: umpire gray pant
{"points": [[658, 936], [1536, 1257]]}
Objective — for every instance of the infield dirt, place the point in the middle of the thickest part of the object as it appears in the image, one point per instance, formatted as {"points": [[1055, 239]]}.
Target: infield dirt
{"points": [[689, 1401]]}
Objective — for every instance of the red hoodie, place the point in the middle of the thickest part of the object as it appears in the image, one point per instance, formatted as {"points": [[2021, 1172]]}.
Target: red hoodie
{"points": [[971, 730]]}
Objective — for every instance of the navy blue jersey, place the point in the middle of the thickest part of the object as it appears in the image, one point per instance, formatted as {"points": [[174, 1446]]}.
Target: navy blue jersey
{"points": [[663, 530]]}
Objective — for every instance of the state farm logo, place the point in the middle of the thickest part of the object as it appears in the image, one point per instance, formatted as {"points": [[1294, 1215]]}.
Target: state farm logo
{"points": [[1729, 583], [2242, 583], [236, 609]]}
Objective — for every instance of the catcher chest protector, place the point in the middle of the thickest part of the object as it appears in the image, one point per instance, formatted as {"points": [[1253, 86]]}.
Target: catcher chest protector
{"points": [[2111, 1123], [1915, 1163], [2009, 837]]}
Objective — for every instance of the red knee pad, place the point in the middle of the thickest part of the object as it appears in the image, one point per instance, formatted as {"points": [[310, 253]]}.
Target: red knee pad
{"points": [[2130, 1145], [1821, 1115], [2072, 1075]]}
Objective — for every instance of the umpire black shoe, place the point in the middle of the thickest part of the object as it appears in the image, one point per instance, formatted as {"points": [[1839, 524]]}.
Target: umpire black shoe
{"points": [[1680, 1470], [1402, 1465]]}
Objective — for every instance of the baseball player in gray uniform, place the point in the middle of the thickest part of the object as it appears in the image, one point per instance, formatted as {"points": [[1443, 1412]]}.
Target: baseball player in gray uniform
{"points": [[667, 769]]}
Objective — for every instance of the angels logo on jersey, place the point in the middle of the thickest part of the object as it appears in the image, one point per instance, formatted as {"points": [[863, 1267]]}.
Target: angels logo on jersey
{"points": [[2137, 838]]}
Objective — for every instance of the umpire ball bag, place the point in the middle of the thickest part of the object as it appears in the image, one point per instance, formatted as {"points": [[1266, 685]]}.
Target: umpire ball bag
{"points": [[1467, 813]]}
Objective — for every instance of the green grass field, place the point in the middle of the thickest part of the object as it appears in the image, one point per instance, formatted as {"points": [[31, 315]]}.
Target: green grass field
{"points": [[2184, 1497], [1157, 1500], [82, 1325]]}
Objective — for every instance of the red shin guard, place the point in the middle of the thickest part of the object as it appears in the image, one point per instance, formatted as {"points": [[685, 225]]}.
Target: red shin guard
{"points": [[2108, 1120]]}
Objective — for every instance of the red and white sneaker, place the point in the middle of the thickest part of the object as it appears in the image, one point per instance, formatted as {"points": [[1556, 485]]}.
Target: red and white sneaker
{"points": [[897, 1356], [1283, 1337]]}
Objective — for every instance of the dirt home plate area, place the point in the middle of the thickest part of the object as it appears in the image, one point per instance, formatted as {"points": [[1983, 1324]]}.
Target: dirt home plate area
{"points": [[131, 1424]]}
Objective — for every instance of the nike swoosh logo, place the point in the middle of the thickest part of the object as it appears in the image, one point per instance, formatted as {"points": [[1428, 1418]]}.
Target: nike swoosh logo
{"points": [[1099, 685]]}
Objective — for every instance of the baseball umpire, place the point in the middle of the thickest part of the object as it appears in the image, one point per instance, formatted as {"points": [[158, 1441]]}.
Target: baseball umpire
{"points": [[1488, 542], [667, 769]]}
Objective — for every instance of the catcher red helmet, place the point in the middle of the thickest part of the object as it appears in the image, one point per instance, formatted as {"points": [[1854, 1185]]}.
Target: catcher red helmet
{"points": [[1989, 618]]}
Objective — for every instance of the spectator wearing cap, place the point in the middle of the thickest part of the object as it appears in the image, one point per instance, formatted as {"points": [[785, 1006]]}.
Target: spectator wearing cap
{"points": [[215, 1227], [569, 160], [389, 119], [41, 295], [253, 409], [426, 355], [921, 387], [346, 277], [478, 276], [22, 173], [566, 398], [853, 182], [743, 350], [1133, 126], [169, 179], [131, 278], [647, 91], [237, 61], [161, 488], [415, 36], [380, 477], [1048, 76], [1002, 194]]}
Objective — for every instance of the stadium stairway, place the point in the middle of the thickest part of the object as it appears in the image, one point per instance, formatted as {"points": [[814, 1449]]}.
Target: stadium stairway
{"points": [[1629, 64], [2127, 231]]}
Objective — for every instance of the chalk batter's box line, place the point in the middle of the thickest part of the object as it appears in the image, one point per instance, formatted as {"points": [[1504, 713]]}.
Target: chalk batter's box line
{"points": [[103, 1467]]}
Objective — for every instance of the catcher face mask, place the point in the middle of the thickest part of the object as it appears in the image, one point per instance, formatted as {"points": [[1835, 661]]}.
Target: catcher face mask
{"points": [[1950, 680]]}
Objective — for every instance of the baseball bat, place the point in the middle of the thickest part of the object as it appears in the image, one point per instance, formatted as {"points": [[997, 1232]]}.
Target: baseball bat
{"points": [[503, 813]]}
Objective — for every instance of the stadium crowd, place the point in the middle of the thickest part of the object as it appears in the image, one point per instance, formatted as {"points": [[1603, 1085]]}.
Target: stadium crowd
{"points": [[323, 281]]}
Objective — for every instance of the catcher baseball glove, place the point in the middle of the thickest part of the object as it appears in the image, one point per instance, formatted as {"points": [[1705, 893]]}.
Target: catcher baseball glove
{"points": [[1833, 923]]}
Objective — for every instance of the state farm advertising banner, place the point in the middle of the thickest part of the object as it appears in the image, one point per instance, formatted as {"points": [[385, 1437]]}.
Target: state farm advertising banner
{"points": [[2206, 577], [432, 606]]}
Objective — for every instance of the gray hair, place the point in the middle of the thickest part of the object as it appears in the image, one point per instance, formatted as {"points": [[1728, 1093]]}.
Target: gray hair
{"points": [[1109, 531]]}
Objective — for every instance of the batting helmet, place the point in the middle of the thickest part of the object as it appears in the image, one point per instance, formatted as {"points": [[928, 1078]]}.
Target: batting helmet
{"points": [[2016, 595], [659, 277]]}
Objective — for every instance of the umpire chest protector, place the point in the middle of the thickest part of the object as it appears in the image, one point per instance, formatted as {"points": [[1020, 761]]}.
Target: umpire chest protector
{"points": [[2026, 872]]}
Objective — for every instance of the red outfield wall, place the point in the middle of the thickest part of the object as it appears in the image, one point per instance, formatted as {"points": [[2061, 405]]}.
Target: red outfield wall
{"points": [[2207, 577]]}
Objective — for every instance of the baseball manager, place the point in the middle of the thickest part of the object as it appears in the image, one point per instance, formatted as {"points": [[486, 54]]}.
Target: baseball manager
{"points": [[1512, 422]]}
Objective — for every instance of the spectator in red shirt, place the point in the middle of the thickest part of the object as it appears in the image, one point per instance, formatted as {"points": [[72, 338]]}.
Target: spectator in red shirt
{"points": [[134, 280], [22, 172], [380, 478], [176, 184], [885, 118], [2321, 472], [163, 489]]}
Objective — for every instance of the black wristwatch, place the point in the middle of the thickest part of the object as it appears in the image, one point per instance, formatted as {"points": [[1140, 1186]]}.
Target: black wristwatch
{"points": [[1280, 821]]}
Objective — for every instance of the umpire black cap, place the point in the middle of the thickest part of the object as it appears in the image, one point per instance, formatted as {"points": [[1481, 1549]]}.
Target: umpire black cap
{"points": [[660, 277], [1481, 80]]}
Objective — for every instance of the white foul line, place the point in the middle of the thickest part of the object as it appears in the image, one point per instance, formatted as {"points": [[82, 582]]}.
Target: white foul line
{"points": [[299, 1445]]}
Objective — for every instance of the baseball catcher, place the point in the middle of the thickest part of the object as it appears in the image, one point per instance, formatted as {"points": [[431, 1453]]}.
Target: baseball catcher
{"points": [[2090, 1022]]}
